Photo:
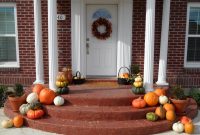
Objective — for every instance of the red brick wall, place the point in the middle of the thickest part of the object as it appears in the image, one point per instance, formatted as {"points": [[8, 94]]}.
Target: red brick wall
{"points": [[176, 73], [26, 73]]}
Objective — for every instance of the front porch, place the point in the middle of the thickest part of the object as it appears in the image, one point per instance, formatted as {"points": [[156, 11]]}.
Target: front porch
{"points": [[123, 43]]}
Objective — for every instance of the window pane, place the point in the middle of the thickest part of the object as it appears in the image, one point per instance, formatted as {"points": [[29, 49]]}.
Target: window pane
{"points": [[10, 27], [193, 27], [7, 49], [193, 14], [7, 20], [193, 52]]}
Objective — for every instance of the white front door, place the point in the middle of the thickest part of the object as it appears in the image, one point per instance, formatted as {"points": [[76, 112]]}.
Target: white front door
{"points": [[101, 54]]}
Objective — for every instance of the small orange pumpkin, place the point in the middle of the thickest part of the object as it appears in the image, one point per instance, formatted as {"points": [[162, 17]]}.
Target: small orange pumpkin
{"points": [[160, 111], [170, 115], [189, 128], [18, 121], [151, 99], [47, 96], [169, 107], [185, 119], [37, 88], [35, 114], [138, 103], [61, 77], [160, 91]]}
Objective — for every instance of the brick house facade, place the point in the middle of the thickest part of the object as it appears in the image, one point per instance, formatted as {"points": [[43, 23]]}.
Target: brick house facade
{"points": [[176, 72]]}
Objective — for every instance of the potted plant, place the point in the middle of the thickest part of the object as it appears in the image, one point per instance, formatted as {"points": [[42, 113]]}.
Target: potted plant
{"points": [[16, 97], [3, 96], [179, 99]]}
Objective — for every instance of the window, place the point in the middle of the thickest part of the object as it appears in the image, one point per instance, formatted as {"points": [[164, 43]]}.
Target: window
{"points": [[192, 54], [8, 36]]}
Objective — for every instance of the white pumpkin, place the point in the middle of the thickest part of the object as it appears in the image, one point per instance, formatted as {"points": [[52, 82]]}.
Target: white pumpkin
{"points": [[32, 98], [7, 123], [178, 127], [163, 99], [58, 101]]}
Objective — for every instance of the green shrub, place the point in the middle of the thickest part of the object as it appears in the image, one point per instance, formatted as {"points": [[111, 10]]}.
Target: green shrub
{"points": [[195, 94], [3, 95]]}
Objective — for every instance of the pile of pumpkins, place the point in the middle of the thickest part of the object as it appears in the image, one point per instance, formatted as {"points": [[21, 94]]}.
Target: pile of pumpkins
{"points": [[33, 108], [17, 122], [62, 83], [164, 111], [137, 87], [40, 95]]}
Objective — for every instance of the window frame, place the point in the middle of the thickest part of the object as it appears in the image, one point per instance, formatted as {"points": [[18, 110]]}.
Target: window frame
{"points": [[186, 63], [16, 63]]}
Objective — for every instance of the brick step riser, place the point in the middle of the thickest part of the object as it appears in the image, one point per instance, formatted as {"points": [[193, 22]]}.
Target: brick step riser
{"points": [[99, 102], [97, 115], [78, 130]]}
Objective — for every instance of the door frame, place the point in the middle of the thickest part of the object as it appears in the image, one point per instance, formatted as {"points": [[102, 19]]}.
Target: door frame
{"points": [[78, 32]]}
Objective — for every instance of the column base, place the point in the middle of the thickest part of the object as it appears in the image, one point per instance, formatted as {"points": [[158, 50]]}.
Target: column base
{"points": [[38, 82], [162, 83], [148, 88]]}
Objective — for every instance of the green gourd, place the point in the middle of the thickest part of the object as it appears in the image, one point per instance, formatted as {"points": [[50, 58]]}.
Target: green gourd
{"points": [[140, 90], [35, 106], [64, 90], [24, 108], [151, 116]]}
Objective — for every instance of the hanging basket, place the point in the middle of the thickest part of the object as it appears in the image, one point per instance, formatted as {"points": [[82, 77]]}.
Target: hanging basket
{"points": [[77, 78], [123, 78]]}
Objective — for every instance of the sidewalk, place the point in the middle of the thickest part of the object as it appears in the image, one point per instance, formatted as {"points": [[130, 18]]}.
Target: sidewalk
{"points": [[29, 131]]}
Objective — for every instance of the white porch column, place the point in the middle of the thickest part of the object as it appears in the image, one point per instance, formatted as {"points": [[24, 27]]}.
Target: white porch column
{"points": [[149, 45], [38, 43], [164, 44], [52, 39]]}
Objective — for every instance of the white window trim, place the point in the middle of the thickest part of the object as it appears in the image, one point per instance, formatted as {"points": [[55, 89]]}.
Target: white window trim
{"points": [[12, 64], [186, 63]]}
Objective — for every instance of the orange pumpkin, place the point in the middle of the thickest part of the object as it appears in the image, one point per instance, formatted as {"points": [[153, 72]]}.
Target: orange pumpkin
{"points": [[139, 103], [37, 88], [185, 119], [18, 121], [189, 128], [170, 115], [124, 75], [160, 111], [35, 114], [151, 99], [159, 91], [47, 96], [169, 107]]}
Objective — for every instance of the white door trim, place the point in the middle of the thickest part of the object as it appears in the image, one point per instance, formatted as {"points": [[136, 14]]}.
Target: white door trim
{"points": [[78, 32]]}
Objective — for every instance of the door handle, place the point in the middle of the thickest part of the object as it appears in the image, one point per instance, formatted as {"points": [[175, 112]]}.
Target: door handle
{"points": [[87, 48]]}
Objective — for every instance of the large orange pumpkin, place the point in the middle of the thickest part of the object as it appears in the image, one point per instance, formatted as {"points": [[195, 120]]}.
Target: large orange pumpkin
{"points": [[18, 121], [160, 111], [139, 103], [169, 107], [151, 99], [37, 88], [185, 119], [170, 115], [189, 128], [160, 91], [47, 96]]}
